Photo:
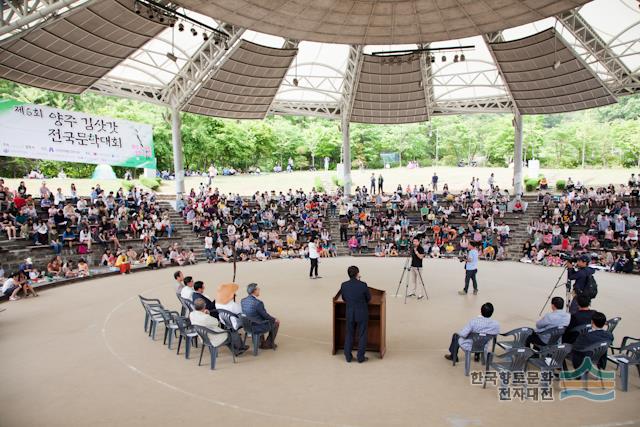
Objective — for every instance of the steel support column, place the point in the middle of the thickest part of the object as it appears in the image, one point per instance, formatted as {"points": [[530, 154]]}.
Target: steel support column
{"points": [[517, 153], [346, 155], [178, 156]]}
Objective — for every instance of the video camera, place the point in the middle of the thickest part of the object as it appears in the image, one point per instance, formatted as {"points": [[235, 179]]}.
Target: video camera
{"points": [[568, 258], [573, 259]]}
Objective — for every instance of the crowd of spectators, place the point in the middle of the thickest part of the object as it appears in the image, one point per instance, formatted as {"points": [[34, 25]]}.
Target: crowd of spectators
{"points": [[104, 219], [388, 222], [605, 217], [265, 226]]}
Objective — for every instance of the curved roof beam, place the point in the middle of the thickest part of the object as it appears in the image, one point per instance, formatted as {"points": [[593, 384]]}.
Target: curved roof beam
{"points": [[351, 80], [625, 82]]}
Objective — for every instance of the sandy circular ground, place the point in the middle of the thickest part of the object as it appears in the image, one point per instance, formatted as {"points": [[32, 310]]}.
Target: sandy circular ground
{"points": [[77, 355]]}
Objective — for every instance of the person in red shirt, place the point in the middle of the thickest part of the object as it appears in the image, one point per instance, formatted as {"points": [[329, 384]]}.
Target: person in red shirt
{"points": [[19, 201]]}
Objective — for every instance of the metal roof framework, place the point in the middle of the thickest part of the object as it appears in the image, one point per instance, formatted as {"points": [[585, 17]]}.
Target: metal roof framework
{"points": [[314, 87]]}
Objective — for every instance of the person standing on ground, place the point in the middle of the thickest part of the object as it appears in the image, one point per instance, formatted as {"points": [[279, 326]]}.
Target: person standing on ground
{"points": [[434, 181], [356, 296], [373, 183], [471, 269], [380, 182], [212, 173], [314, 245], [417, 254]]}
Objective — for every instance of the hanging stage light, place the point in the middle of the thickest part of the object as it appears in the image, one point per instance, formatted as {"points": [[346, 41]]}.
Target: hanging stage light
{"points": [[295, 82], [205, 37], [433, 59], [444, 58], [172, 57], [181, 27], [136, 8], [455, 58], [556, 64], [194, 32], [462, 57]]}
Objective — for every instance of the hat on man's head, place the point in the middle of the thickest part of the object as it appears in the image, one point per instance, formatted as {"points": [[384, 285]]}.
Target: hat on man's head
{"points": [[225, 293], [251, 288], [585, 258]]}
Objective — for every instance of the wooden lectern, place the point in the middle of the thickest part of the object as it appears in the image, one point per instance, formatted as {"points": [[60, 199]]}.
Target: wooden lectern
{"points": [[376, 333]]}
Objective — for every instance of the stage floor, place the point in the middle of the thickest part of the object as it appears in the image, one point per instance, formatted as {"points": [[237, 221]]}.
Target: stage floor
{"points": [[77, 355]]}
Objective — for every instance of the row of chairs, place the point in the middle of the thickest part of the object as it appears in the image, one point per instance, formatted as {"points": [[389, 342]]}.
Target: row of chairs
{"points": [[178, 325], [232, 323], [517, 357]]}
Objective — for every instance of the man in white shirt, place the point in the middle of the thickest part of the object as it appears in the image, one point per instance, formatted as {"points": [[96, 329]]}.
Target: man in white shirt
{"points": [[187, 291], [313, 257], [200, 317]]}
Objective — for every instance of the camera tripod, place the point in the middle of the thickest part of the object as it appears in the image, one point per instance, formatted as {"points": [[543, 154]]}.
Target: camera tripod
{"points": [[557, 285], [405, 276]]}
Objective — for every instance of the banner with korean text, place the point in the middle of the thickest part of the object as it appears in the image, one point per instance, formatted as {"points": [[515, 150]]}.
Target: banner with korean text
{"points": [[39, 132]]}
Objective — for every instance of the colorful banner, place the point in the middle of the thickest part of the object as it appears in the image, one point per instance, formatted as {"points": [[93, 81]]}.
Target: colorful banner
{"points": [[39, 132]]}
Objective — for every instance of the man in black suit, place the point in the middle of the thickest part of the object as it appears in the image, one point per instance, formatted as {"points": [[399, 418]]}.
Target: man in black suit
{"points": [[198, 293], [356, 295], [596, 336], [581, 317]]}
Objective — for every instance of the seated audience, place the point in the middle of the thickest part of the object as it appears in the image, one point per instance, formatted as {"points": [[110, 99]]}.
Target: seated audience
{"points": [[557, 317], [595, 336], [482, 325], [581, 317], [254, 309]]}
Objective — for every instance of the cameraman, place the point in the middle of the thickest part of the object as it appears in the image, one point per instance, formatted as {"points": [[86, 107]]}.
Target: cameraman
{"points": [[417, 254], [580, 276]]}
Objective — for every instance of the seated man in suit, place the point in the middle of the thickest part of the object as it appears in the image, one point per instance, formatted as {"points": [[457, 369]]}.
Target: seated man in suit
{"points": [[254, 309], [597, 335], [356, 296], [580, 317], [480, 325], [557, 317], [198, 293]]}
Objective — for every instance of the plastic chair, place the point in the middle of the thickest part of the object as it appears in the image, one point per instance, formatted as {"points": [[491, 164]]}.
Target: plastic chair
{"points": [[187, 306], [612, 323], [170, 325], [581, 330], [155, 317], [551, 357], [519, 335], [227, 319], [213, 350], [478, 346], [515, 360], [188, 333], [247, 325], [183, 311], [629, 356], [597, 353], [555, 335], [146, 301]]}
